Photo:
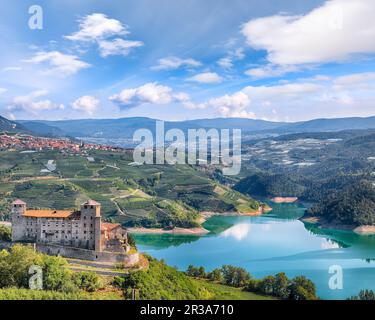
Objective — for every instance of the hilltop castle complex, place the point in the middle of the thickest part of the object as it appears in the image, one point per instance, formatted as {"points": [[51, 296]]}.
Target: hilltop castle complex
{"points": [[77, 234]]}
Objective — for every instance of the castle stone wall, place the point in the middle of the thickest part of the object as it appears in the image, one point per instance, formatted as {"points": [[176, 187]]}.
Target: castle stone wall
{"points": [[128, 260]]}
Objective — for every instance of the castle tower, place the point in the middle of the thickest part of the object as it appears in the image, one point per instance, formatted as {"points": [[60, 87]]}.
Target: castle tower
{"points": [[18, 209], [91, 222]]}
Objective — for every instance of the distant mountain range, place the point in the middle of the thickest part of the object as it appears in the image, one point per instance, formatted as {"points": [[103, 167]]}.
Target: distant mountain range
{"points": [[11, 126], [125, 127]]}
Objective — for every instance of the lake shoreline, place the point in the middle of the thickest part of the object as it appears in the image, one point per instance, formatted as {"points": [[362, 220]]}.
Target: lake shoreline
{"points": [[284, 199], [322, 223], [198, 231], [176, 231]]}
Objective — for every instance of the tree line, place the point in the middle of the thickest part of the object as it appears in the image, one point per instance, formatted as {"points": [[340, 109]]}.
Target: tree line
{"points": [[280, 286]]}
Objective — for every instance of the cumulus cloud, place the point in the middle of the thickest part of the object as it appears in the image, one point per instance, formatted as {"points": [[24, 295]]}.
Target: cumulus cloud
{"points": [[32, 103], [206, 77], [117, 47], [232, 106], [148, 93], [173, 63], [228, 106], [58, 63], [88, 104], [336, 31], [98, 28]]}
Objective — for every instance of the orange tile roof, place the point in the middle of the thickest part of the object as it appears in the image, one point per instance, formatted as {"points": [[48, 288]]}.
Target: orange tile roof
{"points": [[48, 213], [110, 226]]}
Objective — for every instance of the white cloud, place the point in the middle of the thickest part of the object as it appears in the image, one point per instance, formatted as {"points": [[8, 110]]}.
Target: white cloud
{"points": [[32, 103], [100, 29], [289, 90], [336, 31], [232, 106], [3, 90], [227, 62], [269, 71], [58, 63], [7, 69], [148, 93], [117, 47], [97, 26], [87, 104], [206, 77], [356, 78], [173, 63], [228, 106]]}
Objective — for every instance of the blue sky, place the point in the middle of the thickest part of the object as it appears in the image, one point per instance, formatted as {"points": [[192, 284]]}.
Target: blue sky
{"points": [[276, 60]]}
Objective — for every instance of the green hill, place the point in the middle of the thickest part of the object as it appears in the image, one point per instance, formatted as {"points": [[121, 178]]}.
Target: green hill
{"points": [[354, 205], [151, 196]]}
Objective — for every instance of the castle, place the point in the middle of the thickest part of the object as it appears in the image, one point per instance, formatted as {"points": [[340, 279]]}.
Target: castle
{"points": [[77, 234]]}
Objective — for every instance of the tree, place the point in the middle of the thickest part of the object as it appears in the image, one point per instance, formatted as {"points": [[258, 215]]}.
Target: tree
{"points": [[364, 295], [302, 288], [5, 234], [235, 276], [267, 285], [253, 285], [131, 241], [192, 271], [281, 286], [201, 272], [215, 275]]}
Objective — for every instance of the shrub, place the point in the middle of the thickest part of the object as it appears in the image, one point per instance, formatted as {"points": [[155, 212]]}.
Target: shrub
{"points": [[364, 295], [88, 281], [5, 233]]}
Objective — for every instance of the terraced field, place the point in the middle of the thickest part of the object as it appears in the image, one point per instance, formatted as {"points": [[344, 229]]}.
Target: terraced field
{"points": [[150, 195]]}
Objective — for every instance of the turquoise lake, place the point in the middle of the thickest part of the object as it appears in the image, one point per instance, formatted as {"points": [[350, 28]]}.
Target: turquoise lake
{"points": [[275, 242]]}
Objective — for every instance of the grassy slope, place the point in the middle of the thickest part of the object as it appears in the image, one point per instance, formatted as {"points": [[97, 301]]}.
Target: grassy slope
{"points": [[26, 294], [222, 292], [162, 282]]}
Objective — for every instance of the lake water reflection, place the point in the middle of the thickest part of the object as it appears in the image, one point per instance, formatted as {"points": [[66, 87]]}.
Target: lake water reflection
{"points": [[275, 242]]}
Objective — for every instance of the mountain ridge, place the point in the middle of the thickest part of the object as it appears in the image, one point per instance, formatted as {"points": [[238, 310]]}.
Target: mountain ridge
{"points": [[125, 127]]}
